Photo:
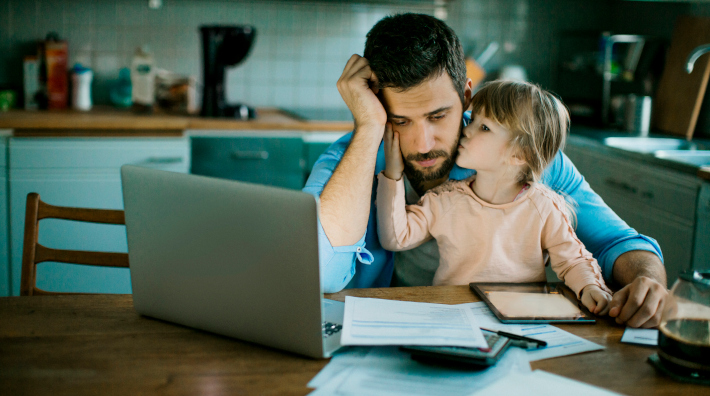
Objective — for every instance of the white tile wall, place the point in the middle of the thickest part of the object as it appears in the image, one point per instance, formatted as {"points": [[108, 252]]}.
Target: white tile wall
{"points": [[299, 53], [302, 45]]}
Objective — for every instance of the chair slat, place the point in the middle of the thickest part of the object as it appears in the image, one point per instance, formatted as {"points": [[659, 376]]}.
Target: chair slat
{"points": [[105, 216], [34, 253], [105, 259]]}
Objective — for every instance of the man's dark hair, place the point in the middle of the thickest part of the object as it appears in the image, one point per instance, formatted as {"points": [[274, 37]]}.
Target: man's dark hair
{"points": [[407, 49]]}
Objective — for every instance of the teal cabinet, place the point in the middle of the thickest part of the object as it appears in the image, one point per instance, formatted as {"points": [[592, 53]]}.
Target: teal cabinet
{"points": [[81, 173], [656, 201], [4, 237], [316, 144], [273, 160], [281, 159]]}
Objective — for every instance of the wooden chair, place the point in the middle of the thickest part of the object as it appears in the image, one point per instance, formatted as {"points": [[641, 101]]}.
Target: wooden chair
{"points": [[33, 253]]}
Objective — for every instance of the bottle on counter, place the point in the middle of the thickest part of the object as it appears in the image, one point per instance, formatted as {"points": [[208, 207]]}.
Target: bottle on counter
{"points": [[81, 87], [143, 81], [121, 91]]}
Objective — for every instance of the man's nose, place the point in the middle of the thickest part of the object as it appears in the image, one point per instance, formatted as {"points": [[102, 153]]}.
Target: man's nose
{"points": [[425, 139]]}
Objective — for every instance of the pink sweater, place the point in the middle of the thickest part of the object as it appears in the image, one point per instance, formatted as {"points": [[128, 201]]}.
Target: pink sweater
{"points": [[482, 242]]}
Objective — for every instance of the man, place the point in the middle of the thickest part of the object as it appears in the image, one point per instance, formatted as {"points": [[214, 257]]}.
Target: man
{"points": [[413, 76]]}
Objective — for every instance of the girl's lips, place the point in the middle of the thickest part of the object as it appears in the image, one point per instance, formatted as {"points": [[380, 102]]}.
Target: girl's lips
{"points": [[427, 163]]}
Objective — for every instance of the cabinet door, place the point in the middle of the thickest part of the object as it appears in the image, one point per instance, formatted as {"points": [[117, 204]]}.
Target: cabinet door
{"points": [[315, 144], [80, 173], [276, 161], [701, 253], [674, 236], [4, 233], [655, 201]]}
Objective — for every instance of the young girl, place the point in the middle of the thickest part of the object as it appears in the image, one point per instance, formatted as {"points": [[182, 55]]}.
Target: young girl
{"points": [[500, 224]]}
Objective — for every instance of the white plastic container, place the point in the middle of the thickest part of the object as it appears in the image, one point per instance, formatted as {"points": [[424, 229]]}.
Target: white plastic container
{"points": [[143, 80], [81, 88]]}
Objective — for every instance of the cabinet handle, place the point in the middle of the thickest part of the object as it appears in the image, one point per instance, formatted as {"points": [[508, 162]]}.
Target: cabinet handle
{"points": [[623, 186], [165, 160], [250, 155]]}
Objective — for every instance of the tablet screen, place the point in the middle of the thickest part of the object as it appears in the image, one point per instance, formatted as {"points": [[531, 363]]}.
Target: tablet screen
{"points": [[532, 302]]}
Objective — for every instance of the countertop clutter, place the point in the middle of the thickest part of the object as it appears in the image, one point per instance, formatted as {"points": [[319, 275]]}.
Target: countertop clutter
{"points": [[107, 121]]}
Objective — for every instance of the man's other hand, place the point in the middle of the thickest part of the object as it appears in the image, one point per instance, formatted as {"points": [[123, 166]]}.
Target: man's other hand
{"points": [[640, 303], [358, 87]]}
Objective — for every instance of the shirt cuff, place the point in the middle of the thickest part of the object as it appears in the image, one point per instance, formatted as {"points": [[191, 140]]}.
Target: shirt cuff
{"points": [[363, 255], [638, 242]]}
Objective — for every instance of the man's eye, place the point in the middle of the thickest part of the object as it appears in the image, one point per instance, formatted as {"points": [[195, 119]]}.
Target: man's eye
{"points": [[438, 117], [399, 123]]}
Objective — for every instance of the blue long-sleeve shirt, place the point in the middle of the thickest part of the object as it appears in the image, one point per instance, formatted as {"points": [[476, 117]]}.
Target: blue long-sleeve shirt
{"points": [[367, 264]]}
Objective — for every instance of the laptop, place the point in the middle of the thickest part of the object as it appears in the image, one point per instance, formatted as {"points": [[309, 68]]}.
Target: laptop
{"points": [[228, 257]]}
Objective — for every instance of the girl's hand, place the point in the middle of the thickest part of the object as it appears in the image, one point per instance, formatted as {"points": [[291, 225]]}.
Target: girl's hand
{"points": [[596, 300], [394, 164]]}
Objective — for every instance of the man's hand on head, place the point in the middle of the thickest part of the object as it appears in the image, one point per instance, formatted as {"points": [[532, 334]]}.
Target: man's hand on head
{"points": [[358, 87], [639, 303]]}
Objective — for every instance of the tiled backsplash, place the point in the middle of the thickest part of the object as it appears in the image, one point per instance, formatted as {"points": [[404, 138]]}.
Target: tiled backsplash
{"points": [[301, 46]]}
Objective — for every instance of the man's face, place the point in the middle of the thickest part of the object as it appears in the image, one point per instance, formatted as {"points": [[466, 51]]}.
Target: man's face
{"points": [[428, 118]]}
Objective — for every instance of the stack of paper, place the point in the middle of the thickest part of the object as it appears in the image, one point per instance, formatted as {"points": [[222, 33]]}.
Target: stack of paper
{"points": [[373, 321], [387, 370]]}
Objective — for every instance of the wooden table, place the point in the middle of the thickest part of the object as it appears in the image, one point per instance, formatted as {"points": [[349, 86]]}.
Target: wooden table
{"points": [[75, 345]]}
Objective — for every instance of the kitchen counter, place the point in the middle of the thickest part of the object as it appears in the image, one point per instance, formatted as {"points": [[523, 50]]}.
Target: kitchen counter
{"points": [[594, 137], [106, 121]]}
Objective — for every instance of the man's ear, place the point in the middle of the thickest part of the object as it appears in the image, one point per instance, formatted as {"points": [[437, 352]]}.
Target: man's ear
{"points": [[467, 94]]}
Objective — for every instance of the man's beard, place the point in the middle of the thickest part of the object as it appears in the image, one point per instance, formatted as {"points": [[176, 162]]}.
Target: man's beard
{"points": [[418, 177]]}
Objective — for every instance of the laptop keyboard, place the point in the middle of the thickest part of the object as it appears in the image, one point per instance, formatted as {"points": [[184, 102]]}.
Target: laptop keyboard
{"points": [[331, 328]]}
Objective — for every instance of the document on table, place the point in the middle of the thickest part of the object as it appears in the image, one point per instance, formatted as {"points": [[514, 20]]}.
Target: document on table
{"points": [[373, 321], [389, 371], [640, 336], [559, 342], [540, 383], [344, 359]]}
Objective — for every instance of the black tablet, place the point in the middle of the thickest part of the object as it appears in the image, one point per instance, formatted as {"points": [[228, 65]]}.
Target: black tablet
{"points": [[527, 303]]}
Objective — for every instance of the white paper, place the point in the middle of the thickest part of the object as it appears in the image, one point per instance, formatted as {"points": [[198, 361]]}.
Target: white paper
{"points": [[389, 371], [540, 383], [373, 321], [559, 342], [342, 360], [640, 336]]}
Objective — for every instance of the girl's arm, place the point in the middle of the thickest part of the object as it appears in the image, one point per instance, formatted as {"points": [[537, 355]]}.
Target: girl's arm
{"points": [[570, 260], [397, 227], [401, 227]]}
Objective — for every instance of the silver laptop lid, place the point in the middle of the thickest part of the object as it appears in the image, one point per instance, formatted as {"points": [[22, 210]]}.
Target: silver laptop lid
{"points": [[232, 258]]}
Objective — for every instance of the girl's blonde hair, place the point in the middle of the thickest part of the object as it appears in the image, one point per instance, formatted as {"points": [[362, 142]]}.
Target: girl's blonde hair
{"points": [[538, 121]]}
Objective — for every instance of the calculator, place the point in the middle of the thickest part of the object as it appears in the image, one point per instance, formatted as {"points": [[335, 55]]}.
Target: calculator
{"points": [[475, 357]]}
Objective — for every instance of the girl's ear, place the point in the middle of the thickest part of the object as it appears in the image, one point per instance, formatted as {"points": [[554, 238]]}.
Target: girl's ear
{"points": [[515, 158], [517, 161]]}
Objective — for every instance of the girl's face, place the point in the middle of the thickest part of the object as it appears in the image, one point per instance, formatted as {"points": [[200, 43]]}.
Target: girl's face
{"points": [[484, 145]]}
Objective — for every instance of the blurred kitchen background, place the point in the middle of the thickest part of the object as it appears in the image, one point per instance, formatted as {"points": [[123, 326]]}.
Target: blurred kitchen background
{"points": [[302, 46], [619, 65]]}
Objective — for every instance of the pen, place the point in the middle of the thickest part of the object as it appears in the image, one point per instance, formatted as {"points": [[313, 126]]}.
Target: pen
{"points": [[515, 337]]}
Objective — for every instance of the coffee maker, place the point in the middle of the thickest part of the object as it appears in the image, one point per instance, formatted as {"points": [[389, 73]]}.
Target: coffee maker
{"points": [[222, 47]]}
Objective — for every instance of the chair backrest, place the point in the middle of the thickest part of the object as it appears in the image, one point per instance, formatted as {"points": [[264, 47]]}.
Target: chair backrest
{"points": [[33, 253]]}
